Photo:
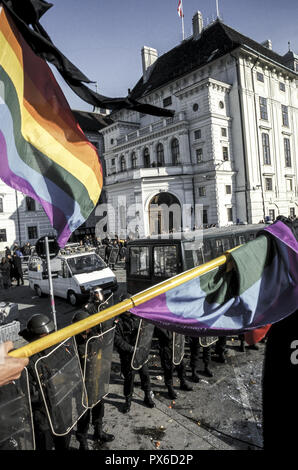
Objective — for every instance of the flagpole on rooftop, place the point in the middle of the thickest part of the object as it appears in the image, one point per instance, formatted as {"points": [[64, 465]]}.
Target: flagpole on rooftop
{"points": [[181, 14], [182, 22], [217, 9]]}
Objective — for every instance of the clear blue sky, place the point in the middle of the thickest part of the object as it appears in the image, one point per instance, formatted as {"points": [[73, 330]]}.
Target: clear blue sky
{"points": [[104, 38]]}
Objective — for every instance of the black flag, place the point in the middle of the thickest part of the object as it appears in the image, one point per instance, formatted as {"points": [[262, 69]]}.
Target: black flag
{"points": [[28, 12]]}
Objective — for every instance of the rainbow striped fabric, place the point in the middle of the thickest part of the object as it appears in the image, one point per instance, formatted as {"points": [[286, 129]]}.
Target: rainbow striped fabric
{"points": [[262, 289], [43, 152]]}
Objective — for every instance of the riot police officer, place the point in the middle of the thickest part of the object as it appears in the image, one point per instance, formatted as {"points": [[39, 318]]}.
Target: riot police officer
{"points": [[38, 326], [97, 412], [97, 302], [165, 340], [125, 339]]}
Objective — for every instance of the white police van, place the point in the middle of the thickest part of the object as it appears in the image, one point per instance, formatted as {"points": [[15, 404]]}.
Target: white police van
{"points": [[73, 276]]}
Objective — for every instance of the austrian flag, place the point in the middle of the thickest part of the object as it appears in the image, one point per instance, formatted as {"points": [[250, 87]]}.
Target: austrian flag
{"points": [[180, 9]]}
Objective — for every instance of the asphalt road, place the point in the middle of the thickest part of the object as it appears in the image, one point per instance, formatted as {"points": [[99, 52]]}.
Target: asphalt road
{"points": [[222, 412]]}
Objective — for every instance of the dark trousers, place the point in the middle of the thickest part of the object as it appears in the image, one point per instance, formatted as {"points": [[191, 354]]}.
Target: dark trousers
{"points": [[166, 358], [96, 414], [45, 439], [241, 338], [129, 376], [220, 345], [195, 348], [19, 276]]}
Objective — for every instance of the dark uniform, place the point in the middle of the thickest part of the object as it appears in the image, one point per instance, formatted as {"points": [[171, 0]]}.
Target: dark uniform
{"points": [[17, 269], [37, 326], [97, 412], [195, 347], [125, 340], [242, 344], [220, 349], [165, 340]]}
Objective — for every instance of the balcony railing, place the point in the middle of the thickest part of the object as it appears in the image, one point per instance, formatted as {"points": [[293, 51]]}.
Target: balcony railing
{"points": [[142, 167], [151, 128]]}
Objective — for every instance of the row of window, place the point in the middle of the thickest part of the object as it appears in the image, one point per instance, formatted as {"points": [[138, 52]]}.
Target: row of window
{"points": [[202, 190], [268, 186], [271, 215], [199, 154], [160, 158], [229, 215], [198, 133], [260, 78], [31, 231], [264, 111], [168, 102], [267, 154]]}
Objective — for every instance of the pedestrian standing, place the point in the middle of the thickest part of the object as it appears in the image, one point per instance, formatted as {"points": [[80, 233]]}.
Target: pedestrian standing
{"points": [[5, 268], [26, 249], [17, 269], [7, 251], [11, 265]]}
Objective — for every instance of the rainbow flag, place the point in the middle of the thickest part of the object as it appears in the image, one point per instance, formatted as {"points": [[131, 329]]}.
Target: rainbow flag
{"points": [[262, 289], [43, 152]]}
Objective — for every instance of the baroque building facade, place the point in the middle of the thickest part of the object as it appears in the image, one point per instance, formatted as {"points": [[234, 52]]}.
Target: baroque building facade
{"points": [[229, 154]]}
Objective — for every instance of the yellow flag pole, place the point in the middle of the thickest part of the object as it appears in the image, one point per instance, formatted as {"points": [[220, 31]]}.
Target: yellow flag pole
{"points": [[111, 312]]}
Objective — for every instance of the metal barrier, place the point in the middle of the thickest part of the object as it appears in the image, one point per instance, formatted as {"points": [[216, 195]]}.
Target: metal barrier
{"points": [[10, 332]]}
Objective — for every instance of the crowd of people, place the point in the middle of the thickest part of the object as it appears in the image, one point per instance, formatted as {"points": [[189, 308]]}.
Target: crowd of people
{"points": [[11, 265]]}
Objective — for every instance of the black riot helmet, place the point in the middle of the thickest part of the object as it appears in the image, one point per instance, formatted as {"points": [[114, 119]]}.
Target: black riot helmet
{"points": [[40, 324], [80, 315]]}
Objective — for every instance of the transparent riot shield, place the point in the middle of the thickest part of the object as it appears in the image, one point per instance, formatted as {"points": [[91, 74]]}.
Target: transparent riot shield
{"points": [[108, 302], [143, 344], [113, 256], [61, 382], [97, 366], [16, 422], [206, 341], [101, 251], [178, 348]]}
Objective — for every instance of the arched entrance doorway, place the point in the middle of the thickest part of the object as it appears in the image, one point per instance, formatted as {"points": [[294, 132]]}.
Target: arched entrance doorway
{"points": [[164, 214]]}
